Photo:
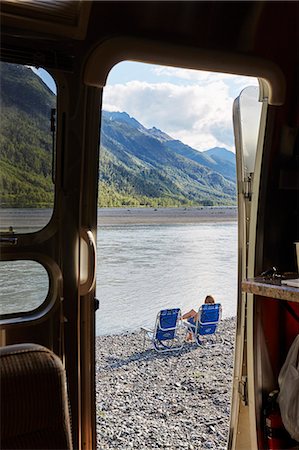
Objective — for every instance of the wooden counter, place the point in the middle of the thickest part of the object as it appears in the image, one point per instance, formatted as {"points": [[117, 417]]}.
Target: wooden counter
{"points": [[273, 289]]}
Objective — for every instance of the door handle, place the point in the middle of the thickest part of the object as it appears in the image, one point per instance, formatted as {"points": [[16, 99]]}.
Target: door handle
{"points": [[88, 255]]}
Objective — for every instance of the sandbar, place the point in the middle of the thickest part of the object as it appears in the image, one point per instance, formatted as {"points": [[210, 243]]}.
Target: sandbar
{"points": [[159, 216]]}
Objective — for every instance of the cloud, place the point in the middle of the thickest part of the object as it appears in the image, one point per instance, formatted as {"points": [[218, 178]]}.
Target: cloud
{"points": [[200, 76], [198, 114]]}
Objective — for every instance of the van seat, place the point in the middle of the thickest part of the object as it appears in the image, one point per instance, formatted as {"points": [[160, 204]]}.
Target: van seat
{"points": [[34, 402]]}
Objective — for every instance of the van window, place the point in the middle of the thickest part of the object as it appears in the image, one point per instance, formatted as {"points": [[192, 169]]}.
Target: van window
{"points": [[27, 144], [24, 286]]}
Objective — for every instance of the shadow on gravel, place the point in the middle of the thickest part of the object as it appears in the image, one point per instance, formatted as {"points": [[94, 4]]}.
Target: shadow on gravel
{"points": [[115, 362], [174, 400]]}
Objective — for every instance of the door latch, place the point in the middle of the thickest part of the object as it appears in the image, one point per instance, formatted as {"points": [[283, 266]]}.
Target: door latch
{"points": [[247, 187], [243, 390]]}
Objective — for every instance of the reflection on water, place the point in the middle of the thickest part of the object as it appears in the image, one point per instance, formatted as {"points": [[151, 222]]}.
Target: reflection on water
{"points": [[145, 268]]}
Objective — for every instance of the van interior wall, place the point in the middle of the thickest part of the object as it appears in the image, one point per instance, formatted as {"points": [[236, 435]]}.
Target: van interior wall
{"points": [[278, 329], [281, 231], [38, 333], [275, 326], [279, 201]]}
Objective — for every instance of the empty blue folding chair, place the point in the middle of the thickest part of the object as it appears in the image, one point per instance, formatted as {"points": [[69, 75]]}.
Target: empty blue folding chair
{"points": [[204, 329], [168, 334]]}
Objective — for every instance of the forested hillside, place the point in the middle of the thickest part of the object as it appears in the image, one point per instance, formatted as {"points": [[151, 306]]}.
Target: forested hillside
{"points": [[138, 166], [25, 138], [148, 167]]}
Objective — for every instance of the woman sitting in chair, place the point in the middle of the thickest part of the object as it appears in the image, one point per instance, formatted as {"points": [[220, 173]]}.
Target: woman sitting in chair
{"points": [[192, 315]]}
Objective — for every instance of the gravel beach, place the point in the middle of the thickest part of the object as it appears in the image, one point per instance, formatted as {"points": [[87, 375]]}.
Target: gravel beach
{"points": [[173, 400]]}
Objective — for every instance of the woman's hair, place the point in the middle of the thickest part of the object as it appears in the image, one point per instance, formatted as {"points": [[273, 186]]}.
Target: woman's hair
{"points": [[209, 299]]}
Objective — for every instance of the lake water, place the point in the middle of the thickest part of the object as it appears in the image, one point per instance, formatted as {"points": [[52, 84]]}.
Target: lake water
{"points": [[141, 269], [146, 268]]}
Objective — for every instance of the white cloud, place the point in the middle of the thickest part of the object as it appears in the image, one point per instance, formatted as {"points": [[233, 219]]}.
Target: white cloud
{"points": [[202, 77], [199, 114]]}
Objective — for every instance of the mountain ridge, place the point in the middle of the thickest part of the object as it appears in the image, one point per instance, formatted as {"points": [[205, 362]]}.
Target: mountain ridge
{"points": [[210, 158], [138, 166], [133, 144]]}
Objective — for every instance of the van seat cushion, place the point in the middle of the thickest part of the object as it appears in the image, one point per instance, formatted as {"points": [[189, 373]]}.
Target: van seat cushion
{"points": [[34, 402]]}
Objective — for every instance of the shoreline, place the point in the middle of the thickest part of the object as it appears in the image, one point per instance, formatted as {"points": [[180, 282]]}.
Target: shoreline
{"points": [[31, 219], [173, 400], [161, 216]]}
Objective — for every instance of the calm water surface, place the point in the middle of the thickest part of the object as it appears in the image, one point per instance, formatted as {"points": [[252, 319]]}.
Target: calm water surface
{"points": [[141, 269], [146, 268]]}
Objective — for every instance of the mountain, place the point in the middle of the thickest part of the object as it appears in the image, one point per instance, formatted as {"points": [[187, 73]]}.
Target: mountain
{"points": [[25, 139], [224, 162], [151, 164], [138, 166]]}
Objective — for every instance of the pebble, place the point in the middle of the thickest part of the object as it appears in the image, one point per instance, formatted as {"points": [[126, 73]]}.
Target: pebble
{"points": [[173, 400]]}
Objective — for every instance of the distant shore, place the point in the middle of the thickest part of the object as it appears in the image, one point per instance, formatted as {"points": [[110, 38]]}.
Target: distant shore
{"points": [[160, 216], [26, 220]]}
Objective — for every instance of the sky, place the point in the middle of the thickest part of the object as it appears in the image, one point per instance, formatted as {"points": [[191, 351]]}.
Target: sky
{"points": [[190, 105]]}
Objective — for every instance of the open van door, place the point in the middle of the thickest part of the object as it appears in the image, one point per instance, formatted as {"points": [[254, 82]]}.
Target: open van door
{"points": [[249, 115]]}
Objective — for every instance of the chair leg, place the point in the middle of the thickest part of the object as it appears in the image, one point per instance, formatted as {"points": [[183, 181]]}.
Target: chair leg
{"points": [[210, 340], [146, 333]]}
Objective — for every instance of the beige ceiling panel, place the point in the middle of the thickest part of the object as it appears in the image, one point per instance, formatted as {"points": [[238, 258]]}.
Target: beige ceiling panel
{"points": [[64, 18]]}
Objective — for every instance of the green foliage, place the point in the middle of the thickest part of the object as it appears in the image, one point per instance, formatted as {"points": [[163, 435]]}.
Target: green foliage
{"points": [[24, 189], [25, 139], [144, 165], [110, 197]]}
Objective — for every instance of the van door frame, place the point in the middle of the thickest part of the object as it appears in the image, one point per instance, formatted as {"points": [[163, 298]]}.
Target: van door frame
{"points": [[97, 67]]}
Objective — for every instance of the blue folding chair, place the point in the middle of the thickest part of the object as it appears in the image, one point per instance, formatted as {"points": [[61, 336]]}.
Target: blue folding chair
{"points": [[204, 329], [169, 332]]}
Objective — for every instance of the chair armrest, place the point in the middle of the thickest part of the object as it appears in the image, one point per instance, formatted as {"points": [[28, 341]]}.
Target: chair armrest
{"points": [[188, 325]]}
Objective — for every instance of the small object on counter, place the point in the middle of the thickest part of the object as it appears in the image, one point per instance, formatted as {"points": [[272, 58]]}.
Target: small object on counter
{"points": [[269, 272], [292, 282]]}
